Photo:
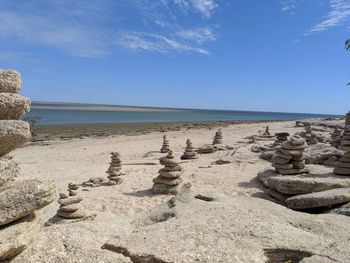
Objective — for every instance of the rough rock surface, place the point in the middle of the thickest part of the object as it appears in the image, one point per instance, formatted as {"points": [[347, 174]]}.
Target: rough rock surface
{"points": [[21, 198], [13, 134], [10, 81], [13, 106], [198, 226], [320, 153], [319, 199], [8, 170], [15, 238]]}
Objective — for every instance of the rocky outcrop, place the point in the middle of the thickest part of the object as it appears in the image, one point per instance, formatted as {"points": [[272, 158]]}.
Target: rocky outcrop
{"points": [[322, 153], [205, 226]]}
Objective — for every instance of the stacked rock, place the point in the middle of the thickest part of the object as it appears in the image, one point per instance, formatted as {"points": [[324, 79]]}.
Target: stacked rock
{"points": [[189, 151], [18, 199], [267, 131], [288, 159], [165, 147], [343, 166], [70, 207], [169, 177], [336, 136], [218, 137], [114, 170], [347, 119], [281, 137]]}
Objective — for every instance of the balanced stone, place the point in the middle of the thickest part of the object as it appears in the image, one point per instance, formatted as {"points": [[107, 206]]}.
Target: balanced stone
{"points": [[10, 81], [166, 146], [280, 138], [114, 171], [189, 151], [70, 207], [169, 177], [218, 137], [13, 106]]}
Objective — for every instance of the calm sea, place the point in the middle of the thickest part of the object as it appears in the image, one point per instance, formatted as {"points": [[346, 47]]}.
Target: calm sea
{"points": [[69, 116]]}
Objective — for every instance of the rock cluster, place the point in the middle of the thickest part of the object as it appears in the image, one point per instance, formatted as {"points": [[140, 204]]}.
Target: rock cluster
{"points": [[343, 166], [218, 137], [114, 170], [70, 207], [288, 159], [189, 152], [165, 147], [169, 177], [18, 199]]}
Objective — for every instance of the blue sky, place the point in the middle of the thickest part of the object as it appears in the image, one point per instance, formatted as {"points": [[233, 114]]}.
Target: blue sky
{"points": [[271, 55]]}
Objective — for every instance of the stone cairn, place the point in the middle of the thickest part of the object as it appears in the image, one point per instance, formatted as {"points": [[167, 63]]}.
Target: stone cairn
{"points": [[267, 131], [70, 207], [169, 177], [19, 200], [281, 137], [114, 170], [311, 138], [347, 119], [343, 166], [189, 152], [218, 137], [288, 159], [336, 136], [165, 147]]}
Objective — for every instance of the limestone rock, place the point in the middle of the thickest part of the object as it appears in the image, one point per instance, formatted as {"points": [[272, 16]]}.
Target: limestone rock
{"points": [[319, 199], [18, 235], [13, 134], [21, 198], [8, 170], [13, 106], [10, 81], [321, 153]]}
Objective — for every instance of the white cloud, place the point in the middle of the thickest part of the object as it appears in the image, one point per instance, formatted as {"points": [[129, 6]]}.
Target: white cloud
{"points": [[339, 12], [206, 7], [199, 35], [288, 5]]}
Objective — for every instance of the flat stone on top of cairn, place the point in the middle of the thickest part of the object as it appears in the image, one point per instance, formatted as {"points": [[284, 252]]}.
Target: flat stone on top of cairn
{"points": [[166, 146], [218, 137], [169, 177], [189, 151], [70, 207], [289, 159], [114, 170], [343, 166]]}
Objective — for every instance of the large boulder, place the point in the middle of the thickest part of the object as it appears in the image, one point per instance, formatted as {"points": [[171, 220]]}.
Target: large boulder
{"points": [[319, 199], [16, 237], [21, 198], [13, 106], [321, 153], [204, 227], [8, 170], [13, 134], [10, 81]]}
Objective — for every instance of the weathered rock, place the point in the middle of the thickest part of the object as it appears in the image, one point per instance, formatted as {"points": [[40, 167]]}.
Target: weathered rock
{"points": [[320, 153], [292, 171], [10, 81], [72, 214], [70, 200], [71, 208], [206, 149], [201, 227], [18, 235], [319, 199], [21, 198], [340, 210], [8, 170], [13, 134], [13, 106]]}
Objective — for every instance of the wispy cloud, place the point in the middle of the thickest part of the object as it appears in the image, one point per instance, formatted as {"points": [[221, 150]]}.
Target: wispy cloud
{"points": [[95, 29], [339, 12], [288, 5]]}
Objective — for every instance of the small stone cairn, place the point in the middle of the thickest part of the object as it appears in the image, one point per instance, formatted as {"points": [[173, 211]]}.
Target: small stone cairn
{"points": [[289, 159], [218, 137], [347, 119], [114, 170], [336, 137], [70, 207], [343, 166], [19, 224], [169, 177], [189, 152], [267, 131], [165, 147], [281, 137]]}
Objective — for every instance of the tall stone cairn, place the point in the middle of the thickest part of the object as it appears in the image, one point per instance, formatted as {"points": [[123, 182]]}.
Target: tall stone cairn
{"points": [[189, 152], [169, 177], [267, 131], [70, 207], [19, 200], [347, 119], [114, 171], [343, 166], [218, 137], [289, 159], [166, 146]]}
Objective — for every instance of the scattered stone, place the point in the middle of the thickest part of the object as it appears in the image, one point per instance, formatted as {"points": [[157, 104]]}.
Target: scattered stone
{"points": [[319, 199], [114, 170], [13, 106], [189, 152], [166, 146], [169, 177], [218, 137], [70, 207], [13, 134]]}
